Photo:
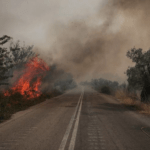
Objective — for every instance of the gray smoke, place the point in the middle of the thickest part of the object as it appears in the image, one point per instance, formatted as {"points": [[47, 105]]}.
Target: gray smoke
{"points": [[88, 47], [91, 51]]}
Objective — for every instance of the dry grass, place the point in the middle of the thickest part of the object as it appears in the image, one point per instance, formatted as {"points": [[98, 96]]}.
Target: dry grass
{"points": [[16, 102], [132, 102]]}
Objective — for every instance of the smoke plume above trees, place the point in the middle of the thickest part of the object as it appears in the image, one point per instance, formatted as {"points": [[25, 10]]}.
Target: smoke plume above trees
{"points": [[92, 45], [88, 50]]}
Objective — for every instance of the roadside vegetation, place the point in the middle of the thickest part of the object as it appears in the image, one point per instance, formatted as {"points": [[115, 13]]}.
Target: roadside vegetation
{"points": [[132, 102], [135, 94], [16, 102], [13, 59], [122, 92], [104, 86]]}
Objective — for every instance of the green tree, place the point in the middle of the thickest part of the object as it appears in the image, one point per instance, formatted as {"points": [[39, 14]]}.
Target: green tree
{"points": [[5, 60], [139, 75], [21, 54], [12, 58]]}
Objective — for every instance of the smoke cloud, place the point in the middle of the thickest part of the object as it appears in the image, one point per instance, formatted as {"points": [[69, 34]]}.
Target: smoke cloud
{"points": [[88, 39], [89, 50]]}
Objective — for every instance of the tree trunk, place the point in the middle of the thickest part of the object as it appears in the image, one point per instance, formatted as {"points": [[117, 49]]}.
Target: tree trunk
{"points": [[145, 94]]}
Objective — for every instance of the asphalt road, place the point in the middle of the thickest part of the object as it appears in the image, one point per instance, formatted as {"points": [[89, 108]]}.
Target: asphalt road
{"points": [[81, 119]]}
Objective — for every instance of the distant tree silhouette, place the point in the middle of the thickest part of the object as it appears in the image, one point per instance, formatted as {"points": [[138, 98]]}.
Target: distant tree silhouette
{"points": [[99, 83]]}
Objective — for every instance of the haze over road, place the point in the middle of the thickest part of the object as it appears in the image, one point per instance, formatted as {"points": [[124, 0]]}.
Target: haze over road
{"points": [[81, 119]]}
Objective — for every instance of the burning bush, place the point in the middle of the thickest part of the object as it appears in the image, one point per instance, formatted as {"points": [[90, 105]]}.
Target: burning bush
{"points": [[29, 83]]}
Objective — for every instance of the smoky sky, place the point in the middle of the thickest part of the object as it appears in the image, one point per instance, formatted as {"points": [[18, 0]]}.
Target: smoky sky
{"points": [[88, 38]]}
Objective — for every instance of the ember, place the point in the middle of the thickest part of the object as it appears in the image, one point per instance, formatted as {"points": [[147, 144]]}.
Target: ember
{"points": [[29, 83]]}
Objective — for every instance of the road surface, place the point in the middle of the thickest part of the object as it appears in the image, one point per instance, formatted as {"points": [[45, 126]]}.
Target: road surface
{"points": [[81, 119]]}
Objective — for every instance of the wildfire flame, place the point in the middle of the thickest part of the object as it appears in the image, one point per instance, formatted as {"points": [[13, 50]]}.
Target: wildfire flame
{"points": [[29, 83]]}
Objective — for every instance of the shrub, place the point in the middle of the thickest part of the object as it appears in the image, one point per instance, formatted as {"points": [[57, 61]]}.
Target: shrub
{"points": [[106, 90]]}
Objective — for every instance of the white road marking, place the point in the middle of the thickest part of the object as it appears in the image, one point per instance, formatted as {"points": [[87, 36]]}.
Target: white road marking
{"points": [[74, 133], [65, 138]]}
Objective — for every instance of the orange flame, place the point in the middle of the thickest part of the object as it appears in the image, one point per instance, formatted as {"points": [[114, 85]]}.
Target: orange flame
{"points": [[28, 85]]}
